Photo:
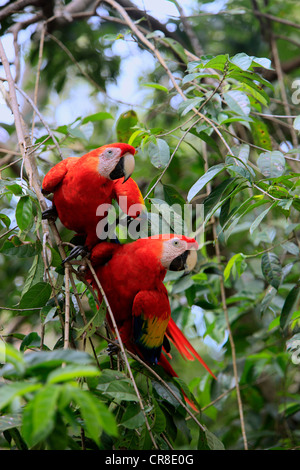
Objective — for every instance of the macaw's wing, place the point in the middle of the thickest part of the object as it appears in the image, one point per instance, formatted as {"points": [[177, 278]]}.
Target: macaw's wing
{"points": [[129, 197], [56, 175], [181, 343], [103, 252], [151, 314], [100, 255]]}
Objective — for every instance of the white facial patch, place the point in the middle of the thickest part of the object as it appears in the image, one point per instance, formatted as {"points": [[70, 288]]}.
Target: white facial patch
{"points": [[172, 248], [108, 160]]}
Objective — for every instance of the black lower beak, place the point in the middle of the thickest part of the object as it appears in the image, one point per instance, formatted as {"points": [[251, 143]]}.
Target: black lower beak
{"points": [[179, 263], [118, 171]]}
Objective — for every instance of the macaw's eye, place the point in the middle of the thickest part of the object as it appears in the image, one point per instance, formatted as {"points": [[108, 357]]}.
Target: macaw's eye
{"points": [[175, 243], [109, 152]]}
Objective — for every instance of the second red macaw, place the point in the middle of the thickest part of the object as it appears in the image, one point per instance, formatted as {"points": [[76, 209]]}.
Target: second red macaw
{"points": [[131, 276], [83, 188]]}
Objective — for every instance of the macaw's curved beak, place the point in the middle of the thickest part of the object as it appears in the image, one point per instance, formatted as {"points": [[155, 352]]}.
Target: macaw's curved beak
{"points": [[186, 261], [129, 163], [125, 167]]}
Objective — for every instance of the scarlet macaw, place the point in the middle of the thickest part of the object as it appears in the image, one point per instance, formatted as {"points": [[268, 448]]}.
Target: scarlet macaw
{"points": [[131, 276], [80, 185]]}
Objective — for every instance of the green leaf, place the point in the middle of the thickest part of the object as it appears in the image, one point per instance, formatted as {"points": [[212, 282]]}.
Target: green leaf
{"points": [[133, 417], [203, 180], [262, 62], [241, 60], [24, 214], [238, 102], [291, 248], [14, 247], [157, 86], [10, 421], [260, 134], [135, 135], [177, 48], [271, 269], [39, 415], [193, 76], [216, 194], [240, 212], [208, 139], [208, 441], [296, 123], [47, 313], [255, 91], [271, 164], [244, 62], [97, 117], [95, 415], [159, 424], [172, 196], [159, 153], [37, 296], [125, 124], [10, 355], [11, 391], [261, 216], [116, 385], [211, 62], [241, 152], [187, 105], [237, 263], [5, 220], [43, 362], [71, 372], [287, 309], [164, 394], [95, 322], [35, 273], [12, 186], [32, 340]]}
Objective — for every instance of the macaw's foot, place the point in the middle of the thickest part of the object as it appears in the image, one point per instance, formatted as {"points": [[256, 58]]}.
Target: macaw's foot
{"points": [[78, 250], [112, 349], [50, 214]]}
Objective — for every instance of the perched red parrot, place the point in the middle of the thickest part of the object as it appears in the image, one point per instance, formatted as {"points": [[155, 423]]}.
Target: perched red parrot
{"points": [[132, 278], [83, 185]]}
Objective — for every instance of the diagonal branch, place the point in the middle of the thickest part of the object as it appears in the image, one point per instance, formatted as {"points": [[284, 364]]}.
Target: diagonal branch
{"points": [[16, 7]]}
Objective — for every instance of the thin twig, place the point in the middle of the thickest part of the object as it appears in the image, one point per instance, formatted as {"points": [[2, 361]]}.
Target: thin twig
{"points": [[279, 71], [67, 307], [82, 312], [7, 232], [36, 87], [189, 30], [277, 19], [42, 119], [20, 309], [232, 344], [15, 109]]}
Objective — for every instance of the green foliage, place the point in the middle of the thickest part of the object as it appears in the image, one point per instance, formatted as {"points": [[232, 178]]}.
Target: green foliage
{"points": [[222, 147]]}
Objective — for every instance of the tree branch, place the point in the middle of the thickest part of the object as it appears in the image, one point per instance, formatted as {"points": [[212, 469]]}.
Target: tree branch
{"points": [[17, 7]]}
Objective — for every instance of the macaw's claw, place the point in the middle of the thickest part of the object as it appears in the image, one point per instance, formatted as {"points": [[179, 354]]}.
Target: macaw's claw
{"points": [[50, 214], [78, 250]]}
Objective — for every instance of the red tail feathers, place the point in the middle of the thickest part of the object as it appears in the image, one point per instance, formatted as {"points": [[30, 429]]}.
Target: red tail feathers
{"points": [[183, 345], [169, 369]]}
